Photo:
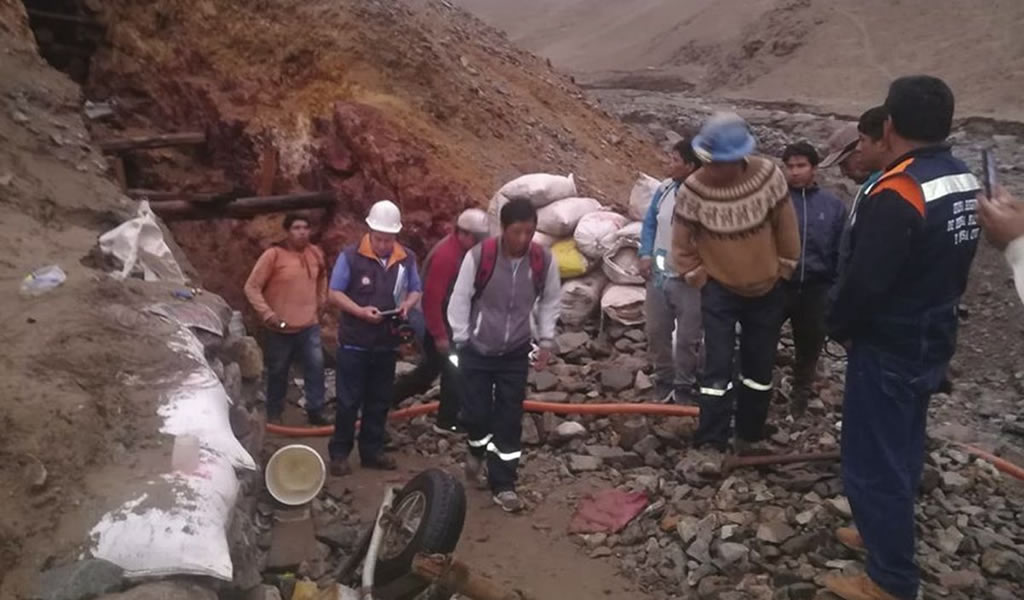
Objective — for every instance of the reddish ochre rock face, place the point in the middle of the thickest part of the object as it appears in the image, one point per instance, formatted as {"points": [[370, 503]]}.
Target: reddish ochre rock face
{"points": [[427, 107]]}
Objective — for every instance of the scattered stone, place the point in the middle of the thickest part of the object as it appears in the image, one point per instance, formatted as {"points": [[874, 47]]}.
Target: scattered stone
{"points": [[579, 463], [19, 117], [530, 434], [250, 358], [962, 580], [339, 535], [775, 532], [841, 506], [631, 431], [6, 179], [570, 341], [569, 430], [636, 335], [949, 540], [700, 549], [35, 474], [616, 379], [555, 396], [170, 590], [930, 479], [1003, 563], [623, 345], [648, 444], [954, 482], [801, 591], [731, 553], [643, 382], [616, 457], [544, 381], [601, 552], [686, 527], [79, 580]]}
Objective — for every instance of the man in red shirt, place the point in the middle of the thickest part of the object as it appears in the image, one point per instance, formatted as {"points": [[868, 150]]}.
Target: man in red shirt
{"points": [[440, 269]]}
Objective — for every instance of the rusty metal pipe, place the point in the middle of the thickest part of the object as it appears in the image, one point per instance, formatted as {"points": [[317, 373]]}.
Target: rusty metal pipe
{"points": [[731, 462]]}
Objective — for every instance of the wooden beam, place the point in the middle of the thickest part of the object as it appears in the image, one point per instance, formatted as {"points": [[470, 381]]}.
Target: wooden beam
{"points": [[455, 576], [242, 208], [169, 195], [147, 142], [55, 16]]}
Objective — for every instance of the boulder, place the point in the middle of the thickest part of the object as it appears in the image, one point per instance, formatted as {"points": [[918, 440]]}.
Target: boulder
{"points": [[79, 580], [571, 341], [168, 590], [616, 379], [569, 430], [250, 358], [544, 381], [774, 532], [579, 463]]}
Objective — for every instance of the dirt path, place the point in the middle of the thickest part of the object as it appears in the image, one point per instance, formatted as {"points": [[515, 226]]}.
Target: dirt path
{"points": [[530, 552]]}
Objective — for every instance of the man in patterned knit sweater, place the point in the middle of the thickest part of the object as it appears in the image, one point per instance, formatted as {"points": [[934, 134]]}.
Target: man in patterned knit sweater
{"points": [[735, 236]]}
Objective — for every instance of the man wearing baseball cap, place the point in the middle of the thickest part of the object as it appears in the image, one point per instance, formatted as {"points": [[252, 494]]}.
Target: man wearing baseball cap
{"points": [[735, 236], [372, 282], [439, 271]]}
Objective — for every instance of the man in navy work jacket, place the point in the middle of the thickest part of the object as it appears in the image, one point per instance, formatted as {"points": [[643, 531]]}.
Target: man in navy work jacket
{"points": [[820, 217], [373, 283], [500, 282], [672, 304], [911, 249]]}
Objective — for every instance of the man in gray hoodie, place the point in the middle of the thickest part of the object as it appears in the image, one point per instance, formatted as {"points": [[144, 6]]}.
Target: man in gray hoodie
{"points": [[500, 282]]}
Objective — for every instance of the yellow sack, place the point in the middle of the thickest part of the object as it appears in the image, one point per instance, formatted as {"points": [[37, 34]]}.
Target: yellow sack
{"points": [[571, 262]]}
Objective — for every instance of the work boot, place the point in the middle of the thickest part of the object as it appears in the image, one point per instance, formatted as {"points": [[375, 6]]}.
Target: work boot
{"points": [[448, 429], [856, 587], [851, 538], [340, 467], [380, 462], [508, 501], [476, 472]]}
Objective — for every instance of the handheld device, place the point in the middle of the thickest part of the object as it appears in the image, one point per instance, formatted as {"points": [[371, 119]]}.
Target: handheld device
{"points": [[389, 313], [988, 163]]}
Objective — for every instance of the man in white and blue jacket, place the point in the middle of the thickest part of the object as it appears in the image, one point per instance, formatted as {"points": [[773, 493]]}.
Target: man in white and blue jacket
{"points": [[671, 302]]}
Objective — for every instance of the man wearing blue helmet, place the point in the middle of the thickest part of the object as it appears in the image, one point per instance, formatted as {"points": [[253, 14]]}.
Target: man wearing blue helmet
{"points": [[735, 236]]}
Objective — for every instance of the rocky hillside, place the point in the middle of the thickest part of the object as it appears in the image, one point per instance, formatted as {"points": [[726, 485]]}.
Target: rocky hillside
{"points": [[832, 53], [372, 99]]}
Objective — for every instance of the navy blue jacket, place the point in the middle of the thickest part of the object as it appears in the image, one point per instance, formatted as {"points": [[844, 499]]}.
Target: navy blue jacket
{"points": [[912, 245], [821, 217]]}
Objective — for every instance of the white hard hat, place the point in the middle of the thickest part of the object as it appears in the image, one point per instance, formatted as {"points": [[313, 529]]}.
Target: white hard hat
{"points": [[385, 217], [474, 221]]}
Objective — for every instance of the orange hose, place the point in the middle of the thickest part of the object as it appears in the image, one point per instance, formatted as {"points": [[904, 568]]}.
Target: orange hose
{"points": [[664, 410], [1000, 464]]}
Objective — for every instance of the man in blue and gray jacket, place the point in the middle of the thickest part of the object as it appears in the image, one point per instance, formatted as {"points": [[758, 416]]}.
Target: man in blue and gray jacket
{"points": [[671, 302], [821, 217]]}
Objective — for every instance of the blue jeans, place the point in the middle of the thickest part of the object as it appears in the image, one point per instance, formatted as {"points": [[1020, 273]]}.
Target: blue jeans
{"points": [[883, 444], [280, 350]]}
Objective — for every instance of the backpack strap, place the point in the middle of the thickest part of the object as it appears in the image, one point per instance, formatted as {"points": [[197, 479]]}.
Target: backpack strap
{"points": [[538, 268], [485, 266]]}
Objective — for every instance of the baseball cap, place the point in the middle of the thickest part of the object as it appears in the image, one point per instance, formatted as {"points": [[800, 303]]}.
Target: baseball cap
{"points": [[841, 145]]}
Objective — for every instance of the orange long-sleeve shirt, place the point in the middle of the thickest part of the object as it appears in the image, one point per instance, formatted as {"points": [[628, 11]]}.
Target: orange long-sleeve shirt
{"points": [[290, 286]]}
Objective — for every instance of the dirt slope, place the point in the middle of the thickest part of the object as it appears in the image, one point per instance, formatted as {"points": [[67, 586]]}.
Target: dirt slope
{"points": [[422, 104], [832, 53]]}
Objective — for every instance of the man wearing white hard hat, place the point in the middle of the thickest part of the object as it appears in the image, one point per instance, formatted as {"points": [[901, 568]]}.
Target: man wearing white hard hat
{"points": [[373, 283], [438, 273]]}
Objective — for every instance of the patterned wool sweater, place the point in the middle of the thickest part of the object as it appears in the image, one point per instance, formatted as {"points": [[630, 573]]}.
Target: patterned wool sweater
{"points": [[744, 236]]}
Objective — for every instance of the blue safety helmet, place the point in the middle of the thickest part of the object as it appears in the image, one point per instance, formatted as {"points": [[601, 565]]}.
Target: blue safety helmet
{"points": [[725, 137]]}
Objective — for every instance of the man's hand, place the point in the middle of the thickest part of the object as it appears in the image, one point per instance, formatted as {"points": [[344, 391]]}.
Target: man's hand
{"points": [[1002, 218], [543, 358], [404, 308], [696, 278], [370, 314], [645, 267]]}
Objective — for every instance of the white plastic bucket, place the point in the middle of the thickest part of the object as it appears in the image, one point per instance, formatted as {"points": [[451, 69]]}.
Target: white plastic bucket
{"points": [[295, 474]]}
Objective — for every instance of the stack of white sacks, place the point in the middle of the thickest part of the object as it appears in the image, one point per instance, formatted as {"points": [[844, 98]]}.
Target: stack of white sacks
{"points": [[595, 248]]}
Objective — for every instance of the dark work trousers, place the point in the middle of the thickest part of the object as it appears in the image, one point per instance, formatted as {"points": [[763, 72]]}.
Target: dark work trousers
{"points": [[366, 381], [492, 411], [883, 444], [806, 305], [422, 377], [279, 352], [760, 319]]}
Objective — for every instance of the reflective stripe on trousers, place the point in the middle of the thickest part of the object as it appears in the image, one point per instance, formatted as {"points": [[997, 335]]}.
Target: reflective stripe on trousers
{"points": [[481, 442], [757, 387], [716, 392], [505, 456]]}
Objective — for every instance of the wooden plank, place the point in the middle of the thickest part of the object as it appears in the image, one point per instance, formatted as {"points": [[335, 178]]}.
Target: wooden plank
{"points": [[241, 208], [148, 142]]}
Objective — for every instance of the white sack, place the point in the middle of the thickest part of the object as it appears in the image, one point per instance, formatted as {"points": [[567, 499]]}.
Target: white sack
{"points": [[581, 297], [623, 266], [624, 303], [559, 218], [595, 234], [539, 237], [494, 213], [641, 195], [630, 234], [140, 241], [540, 189]]}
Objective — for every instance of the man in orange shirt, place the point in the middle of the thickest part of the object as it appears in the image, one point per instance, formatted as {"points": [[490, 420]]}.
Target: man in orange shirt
{"points": [[288, 290]]}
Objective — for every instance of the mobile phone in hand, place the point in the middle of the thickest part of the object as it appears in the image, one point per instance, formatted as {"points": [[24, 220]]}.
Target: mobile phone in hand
{"points": [[389, 313], [990, 175]]}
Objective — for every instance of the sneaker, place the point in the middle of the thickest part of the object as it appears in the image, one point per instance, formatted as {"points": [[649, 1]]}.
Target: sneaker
{"points": [[684, 395], [476, 472], [340, 467], [856, 587], [381, 462], [508, 501], [317, 419], [851, 538], [453, 429]]}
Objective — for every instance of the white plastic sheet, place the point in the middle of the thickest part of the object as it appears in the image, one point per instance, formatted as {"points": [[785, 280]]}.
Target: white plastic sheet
{"points": [[140, 242]]}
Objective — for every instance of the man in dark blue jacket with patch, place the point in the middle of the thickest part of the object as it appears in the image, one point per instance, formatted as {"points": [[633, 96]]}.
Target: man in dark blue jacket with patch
{"points": [[821, 217], [911, 250]]}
